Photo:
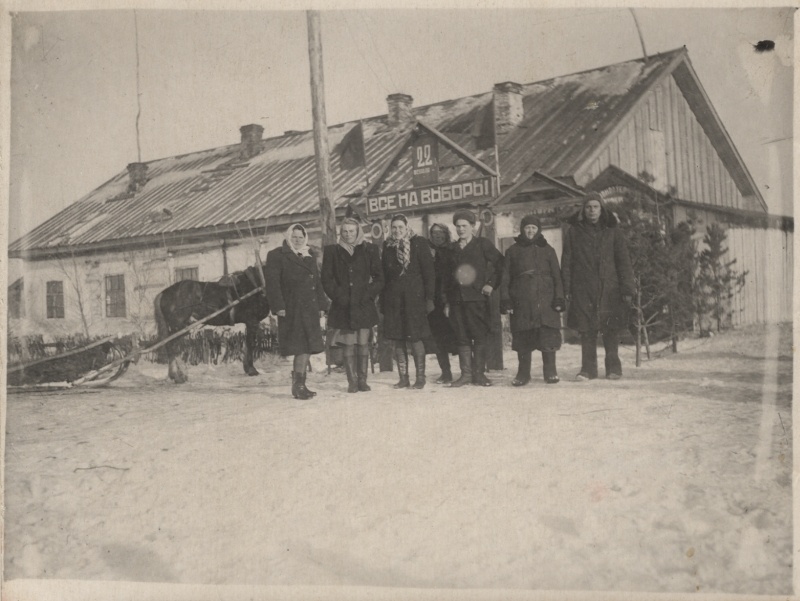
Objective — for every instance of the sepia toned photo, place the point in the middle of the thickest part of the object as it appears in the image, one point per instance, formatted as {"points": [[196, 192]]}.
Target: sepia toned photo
{"points": [[329, 302]]}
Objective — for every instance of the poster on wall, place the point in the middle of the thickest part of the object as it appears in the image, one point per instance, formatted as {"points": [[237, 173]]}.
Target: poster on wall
{"points": [[425, 160]]}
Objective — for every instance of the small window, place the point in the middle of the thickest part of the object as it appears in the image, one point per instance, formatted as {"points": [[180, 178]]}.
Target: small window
{"points": [[187, 273], [55, 300], [115, 296]]}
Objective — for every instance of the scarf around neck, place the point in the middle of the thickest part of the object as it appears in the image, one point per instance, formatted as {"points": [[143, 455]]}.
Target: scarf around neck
{"points": [[403, 247], [304, 250], [351, 248]]}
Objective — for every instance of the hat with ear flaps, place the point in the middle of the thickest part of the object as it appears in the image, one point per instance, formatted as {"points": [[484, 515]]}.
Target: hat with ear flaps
{"points": [[607, 218]]}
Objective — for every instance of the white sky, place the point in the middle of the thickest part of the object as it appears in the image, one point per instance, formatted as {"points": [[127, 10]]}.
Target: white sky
{"points": [[203, 74]]}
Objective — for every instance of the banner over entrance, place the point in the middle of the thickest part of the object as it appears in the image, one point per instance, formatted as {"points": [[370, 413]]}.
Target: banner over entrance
{"points": [[475, 190]]}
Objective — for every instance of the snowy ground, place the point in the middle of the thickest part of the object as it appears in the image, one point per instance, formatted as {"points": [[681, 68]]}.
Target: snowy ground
{"points": [[675, 479]]}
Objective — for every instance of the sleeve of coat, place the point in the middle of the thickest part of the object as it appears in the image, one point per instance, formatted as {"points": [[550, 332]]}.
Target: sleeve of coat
{"points": [[375, 271], [273, 276], [494, 259], [505, 282], [624, 267], [566, 263], [555, 272], [427, 268], [322, 301], [327, 276]]}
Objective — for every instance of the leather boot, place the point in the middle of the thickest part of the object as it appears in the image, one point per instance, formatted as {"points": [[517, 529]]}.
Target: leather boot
{"points": [[478, 376], [465, 363], [418, 351], [444, 364], [401, 357], [588, 356], [362, 366], [523, 370], [549, 367], [299, 390], [613, 364], [350, 369]]}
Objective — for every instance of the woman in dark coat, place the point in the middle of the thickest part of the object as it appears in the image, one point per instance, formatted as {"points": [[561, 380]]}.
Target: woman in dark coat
{"points": [[598, 282], [443, 336], [407, 297], [532, 293], [295, 295], [352, 277]]}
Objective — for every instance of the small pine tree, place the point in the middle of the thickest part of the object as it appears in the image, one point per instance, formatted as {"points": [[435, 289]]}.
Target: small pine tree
{"points": [[716, 282]]}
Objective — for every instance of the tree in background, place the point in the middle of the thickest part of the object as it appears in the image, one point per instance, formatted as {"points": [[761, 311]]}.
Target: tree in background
{"points": [[716, 282]]}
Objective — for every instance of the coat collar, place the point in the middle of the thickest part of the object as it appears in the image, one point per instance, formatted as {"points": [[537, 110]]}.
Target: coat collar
{"points": [[293, 256]]}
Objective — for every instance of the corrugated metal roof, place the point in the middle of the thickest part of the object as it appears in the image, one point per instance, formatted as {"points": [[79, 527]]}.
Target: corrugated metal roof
{"points": [[565, 119]]}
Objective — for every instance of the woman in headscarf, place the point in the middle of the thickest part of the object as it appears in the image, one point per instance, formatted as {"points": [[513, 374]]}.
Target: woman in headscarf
{"points": [[532, 293], [443, 335], [295, 295], [352, 277], [598, 282], [407, 297]]}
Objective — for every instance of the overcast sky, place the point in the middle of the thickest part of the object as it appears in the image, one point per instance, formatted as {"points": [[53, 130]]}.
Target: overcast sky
{"points": [[203, 74]]}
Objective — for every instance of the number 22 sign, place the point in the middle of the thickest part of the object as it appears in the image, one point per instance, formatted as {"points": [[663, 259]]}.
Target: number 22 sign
{"points": [[425, 160]]}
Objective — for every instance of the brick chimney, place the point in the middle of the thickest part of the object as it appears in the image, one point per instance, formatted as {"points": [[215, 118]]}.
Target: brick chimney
{"points": [[400, 110], [137, 172], [508, 111], [251, 140]]}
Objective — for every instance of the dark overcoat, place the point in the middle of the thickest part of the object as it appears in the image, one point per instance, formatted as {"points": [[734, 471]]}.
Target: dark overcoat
{"points": [[531, 283], [597, 272], [442, 330], [352, 282], [293, 285], [481, 262], [405, 295]]}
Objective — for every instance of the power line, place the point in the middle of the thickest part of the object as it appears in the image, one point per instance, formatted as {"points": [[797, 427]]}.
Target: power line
{"points": [[378, 52], [358, 47]]}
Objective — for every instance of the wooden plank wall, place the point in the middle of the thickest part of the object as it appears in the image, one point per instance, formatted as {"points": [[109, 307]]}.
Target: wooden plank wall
{"points": [[664, 138]]}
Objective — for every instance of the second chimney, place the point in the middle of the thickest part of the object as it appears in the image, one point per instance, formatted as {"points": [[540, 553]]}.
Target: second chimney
{"points": [[251, 140], [508, 111], [137, 174], [400, 110]]}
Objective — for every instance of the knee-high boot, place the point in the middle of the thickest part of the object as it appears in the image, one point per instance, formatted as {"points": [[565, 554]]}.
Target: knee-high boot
{"points": [[549, 367], [479, 377], [523, 370], [401, 357], [444, 364], [418, 352], [613, 364], [362, 351], [350, 368], [465, 363], [588, 356]]}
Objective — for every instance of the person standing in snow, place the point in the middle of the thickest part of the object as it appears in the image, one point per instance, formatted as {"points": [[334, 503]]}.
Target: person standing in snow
{"points": [[443, 335], [532, 294], [598, 281], [352, 277], [295, 295], [476, 270], [407, 297]]}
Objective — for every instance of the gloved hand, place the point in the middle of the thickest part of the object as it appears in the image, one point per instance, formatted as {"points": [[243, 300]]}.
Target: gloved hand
{"points": [[559, 305]]}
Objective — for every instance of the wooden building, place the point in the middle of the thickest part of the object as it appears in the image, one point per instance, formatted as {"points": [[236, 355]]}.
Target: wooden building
{"points": [[516, 149]]}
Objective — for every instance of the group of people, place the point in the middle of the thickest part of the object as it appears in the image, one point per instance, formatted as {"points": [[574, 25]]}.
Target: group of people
{"points": [[435, 296]]}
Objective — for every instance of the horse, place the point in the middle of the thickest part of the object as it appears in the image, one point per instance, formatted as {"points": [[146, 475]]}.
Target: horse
{"points": [[188, 301]]}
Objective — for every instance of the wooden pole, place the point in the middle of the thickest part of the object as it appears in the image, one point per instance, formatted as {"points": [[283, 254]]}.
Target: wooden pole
{"points": [[321, 150]]}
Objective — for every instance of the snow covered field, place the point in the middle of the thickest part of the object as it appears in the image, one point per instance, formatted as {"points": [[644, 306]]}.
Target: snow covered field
{"points": [[675, 479]]}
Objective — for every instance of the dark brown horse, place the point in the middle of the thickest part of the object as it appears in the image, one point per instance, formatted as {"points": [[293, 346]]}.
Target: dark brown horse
{"points": [[188, 301]]}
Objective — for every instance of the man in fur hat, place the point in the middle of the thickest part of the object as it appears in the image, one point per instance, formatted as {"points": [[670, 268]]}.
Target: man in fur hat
{"points": [[598, 284]]}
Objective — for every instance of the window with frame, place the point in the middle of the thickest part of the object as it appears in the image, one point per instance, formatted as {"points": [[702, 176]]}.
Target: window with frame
{"points": [[16, 310], [115, 296], [187, 273], [55, 299]]}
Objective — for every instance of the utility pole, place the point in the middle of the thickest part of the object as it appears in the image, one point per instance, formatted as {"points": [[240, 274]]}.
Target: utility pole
{"points": [[321, 151]]}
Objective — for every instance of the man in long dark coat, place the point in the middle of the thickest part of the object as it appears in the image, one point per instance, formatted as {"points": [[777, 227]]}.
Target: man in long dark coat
{"points": [[476, 271], [598, 283], [295, 295], [352, 277], [407, 297]]}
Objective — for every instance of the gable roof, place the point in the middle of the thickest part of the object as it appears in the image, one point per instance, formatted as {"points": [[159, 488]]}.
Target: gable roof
{"points": [[567, 120]]}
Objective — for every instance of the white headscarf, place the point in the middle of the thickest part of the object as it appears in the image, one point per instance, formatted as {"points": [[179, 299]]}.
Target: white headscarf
{"points": [[351, 248], [303, 251]]}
